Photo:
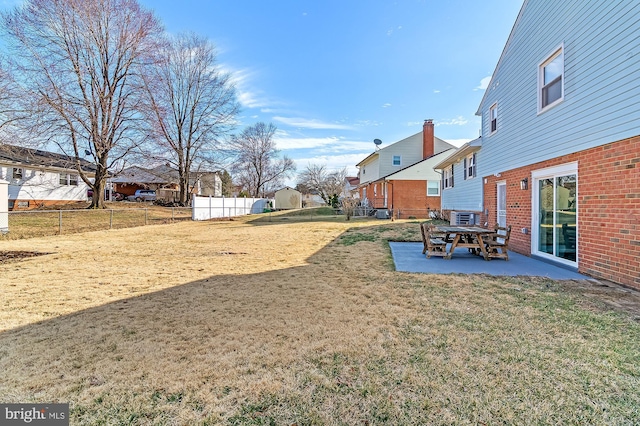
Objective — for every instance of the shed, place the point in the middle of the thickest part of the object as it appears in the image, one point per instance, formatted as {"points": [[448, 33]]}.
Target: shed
{"points": [[288, 198]]}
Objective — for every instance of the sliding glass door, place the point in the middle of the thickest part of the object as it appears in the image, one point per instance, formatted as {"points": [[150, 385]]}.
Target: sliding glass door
{"points": [[555, 214]]}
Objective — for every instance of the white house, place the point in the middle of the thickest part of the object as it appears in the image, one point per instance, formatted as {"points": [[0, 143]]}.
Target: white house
{"points": [[37, 178]]}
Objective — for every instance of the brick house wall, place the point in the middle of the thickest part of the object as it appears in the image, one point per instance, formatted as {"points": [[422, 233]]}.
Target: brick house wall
{"points": [[608, 209], [407, 198], [375, 197]]}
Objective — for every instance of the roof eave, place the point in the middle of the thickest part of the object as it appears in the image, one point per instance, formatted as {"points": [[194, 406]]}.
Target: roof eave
{"points": [[466, 149]]}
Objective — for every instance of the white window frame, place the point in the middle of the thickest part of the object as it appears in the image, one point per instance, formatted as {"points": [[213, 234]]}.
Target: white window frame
{"points": [[74, 180], [393, 160], [436, 187], [63, 179], [493, 118], [470, 166], [541, 86], [447, 178]]}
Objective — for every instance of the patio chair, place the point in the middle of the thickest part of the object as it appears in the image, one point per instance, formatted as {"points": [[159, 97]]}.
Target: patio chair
{"points": [[434, 242], [424, 238], [497, 244]]}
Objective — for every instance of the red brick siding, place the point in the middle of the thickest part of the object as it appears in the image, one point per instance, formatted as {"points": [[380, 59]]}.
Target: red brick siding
{"points": [[608, 209], [407, 198]]}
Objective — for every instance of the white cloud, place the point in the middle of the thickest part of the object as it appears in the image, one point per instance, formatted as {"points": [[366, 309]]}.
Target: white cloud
{"points": [[247, 96], [333, 162], [367, 123], [484, 83], [458, 121], [436, 91], [387, 105], [320, 145], [311, 123]]}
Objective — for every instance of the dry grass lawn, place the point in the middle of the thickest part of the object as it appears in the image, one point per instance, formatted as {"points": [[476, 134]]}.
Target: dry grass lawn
{"points": [[299, 322]]}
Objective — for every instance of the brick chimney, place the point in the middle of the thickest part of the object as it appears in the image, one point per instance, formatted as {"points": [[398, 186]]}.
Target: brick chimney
{"points": [[428, 144]]}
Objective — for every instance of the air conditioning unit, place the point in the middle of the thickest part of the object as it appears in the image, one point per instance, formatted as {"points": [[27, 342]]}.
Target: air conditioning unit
{"points": [[464, 218], [382, 214]]}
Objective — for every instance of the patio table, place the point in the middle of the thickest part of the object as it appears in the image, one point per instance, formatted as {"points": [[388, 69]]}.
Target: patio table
{"points": [[466, 236]]}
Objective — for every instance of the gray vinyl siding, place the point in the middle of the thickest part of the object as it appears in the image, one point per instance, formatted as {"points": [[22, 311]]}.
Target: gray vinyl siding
{"points": [[466, 195], [601, 85], [409, 150]]}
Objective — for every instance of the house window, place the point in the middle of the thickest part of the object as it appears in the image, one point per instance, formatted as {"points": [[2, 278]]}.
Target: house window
{"points": [[67, 179], [433, 188], [470, 166], [17, 173], [397, 160], [447, 177], [493, 117], [551, 80]]}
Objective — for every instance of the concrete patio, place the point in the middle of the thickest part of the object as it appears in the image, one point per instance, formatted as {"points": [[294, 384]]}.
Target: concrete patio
{"points": [[408, 257]]}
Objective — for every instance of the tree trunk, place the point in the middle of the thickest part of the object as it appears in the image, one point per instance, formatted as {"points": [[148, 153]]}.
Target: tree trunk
{"points": [[98, 187], [184, 189]]}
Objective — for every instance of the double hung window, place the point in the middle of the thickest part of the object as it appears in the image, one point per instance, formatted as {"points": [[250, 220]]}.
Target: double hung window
{"points": [[470, 166], [551, 80], [493, 117], [447, 177]]}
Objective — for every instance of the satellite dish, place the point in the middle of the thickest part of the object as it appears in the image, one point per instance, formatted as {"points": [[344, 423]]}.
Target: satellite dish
{"points": [[377, 141]]}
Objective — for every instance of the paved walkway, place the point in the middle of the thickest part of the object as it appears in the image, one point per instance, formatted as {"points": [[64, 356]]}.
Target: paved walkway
{"points": [[408, 257]]}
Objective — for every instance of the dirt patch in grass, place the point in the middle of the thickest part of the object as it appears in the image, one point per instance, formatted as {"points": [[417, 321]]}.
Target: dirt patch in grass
{"points": [[300, 322], [8, 256]]}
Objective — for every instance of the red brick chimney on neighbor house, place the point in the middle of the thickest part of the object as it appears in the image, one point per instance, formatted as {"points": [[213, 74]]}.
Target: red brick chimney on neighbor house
{"points": [[428, 143]]}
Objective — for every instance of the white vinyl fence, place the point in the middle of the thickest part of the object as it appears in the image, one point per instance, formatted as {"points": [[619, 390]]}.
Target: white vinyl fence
{"points": [[4, 206], [204, 208]]}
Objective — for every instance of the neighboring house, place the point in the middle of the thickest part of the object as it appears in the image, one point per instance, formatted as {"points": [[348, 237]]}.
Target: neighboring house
{"points": [[288, 198], [401, 177], [560, 153], [165, 179], [350, 187], [312, 199], [40, 178]]}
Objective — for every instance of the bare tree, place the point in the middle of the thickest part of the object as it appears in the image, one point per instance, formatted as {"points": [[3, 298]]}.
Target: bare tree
{"points": [[78, 64], [328, 185], [257, 167], [191, 105], [349, 205]]}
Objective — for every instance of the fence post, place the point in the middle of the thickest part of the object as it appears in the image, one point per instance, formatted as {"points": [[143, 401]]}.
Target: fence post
{"points": [[4, 206], [111, 219], [209, 207], [59, 222], [146, 212]]}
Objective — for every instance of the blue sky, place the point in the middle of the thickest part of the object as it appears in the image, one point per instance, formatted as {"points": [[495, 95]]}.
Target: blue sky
{"points": [[333, 75]]}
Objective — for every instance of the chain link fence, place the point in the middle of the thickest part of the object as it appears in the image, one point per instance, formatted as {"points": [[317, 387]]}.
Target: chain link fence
{"points": [[39, 223]]}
